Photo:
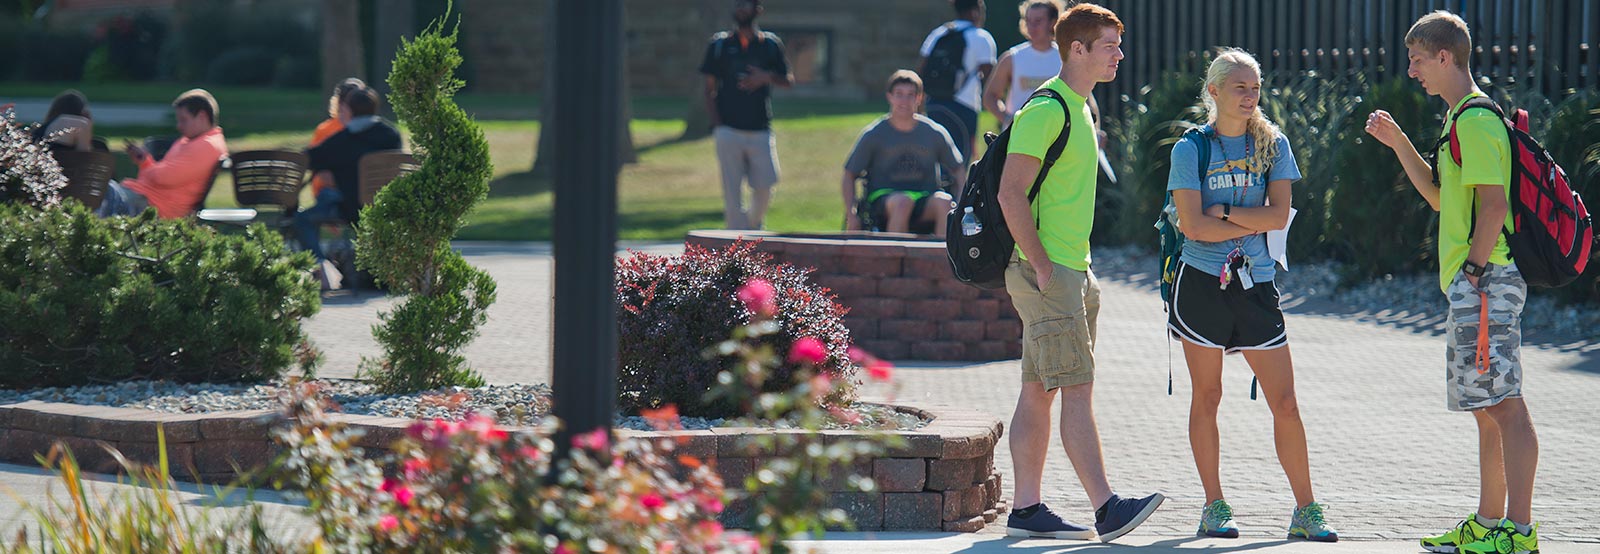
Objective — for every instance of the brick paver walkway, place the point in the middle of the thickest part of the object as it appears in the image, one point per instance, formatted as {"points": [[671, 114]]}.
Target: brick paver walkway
{"points": [[1386, 457]]}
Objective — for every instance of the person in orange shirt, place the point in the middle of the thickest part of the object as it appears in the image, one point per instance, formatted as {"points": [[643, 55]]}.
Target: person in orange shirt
{"points": [[175, 184], [331, 126]]}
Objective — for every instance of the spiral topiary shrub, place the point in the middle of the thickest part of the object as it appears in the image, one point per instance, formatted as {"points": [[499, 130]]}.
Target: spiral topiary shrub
{"points": [[672, 310], [404, 236], [85, 300]]}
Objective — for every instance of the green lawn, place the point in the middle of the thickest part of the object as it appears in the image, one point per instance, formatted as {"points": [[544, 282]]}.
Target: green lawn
{"points": [[671, 190]]}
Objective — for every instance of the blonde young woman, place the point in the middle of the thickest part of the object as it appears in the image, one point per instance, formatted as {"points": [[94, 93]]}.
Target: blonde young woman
{"points": [[1224, 300]]}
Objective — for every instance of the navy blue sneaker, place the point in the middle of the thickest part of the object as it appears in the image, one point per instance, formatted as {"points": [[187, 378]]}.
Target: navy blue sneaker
{"points": [[1121, 515], [1045, 524]]}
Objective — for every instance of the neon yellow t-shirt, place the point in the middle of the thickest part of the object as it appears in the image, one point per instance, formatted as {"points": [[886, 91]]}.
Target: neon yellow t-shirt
{"points": [[1065, 205], [1485, 160]]}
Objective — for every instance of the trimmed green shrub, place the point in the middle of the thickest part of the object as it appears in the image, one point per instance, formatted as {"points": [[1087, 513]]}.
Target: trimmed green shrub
{"points": [[87, 300], [672, 309], [1140, 144], [404, 236], [1377, 222], [1315, 113]]}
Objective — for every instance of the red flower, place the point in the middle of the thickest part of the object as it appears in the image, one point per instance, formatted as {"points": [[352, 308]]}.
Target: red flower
{"points": [[663, 418], [808, 350], [652, 501], [759, 296], [564, 549], [880, 370], [414, 467], [388, 523]]}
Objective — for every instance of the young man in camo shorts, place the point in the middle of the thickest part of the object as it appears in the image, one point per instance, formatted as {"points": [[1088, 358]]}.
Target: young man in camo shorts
{"points": [[1485, 290]]}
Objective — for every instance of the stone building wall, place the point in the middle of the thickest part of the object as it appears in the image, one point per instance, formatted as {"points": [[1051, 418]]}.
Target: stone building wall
{"points": [[846, 47]]}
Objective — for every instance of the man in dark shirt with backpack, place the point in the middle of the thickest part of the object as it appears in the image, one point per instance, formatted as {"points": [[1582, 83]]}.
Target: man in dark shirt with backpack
{"points": [[339, 157], [957, 58], [741, 67]]}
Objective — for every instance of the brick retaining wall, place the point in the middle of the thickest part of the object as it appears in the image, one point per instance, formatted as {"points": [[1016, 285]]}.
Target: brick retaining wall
{"points": [[941, 478], [904, 302]]}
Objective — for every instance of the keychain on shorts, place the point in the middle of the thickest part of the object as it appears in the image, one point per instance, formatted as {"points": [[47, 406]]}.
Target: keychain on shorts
{"points": [[1246, 281]]}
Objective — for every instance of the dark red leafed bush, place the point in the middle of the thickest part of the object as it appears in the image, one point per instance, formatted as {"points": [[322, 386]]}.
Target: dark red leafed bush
{"points": [[673, 310]]}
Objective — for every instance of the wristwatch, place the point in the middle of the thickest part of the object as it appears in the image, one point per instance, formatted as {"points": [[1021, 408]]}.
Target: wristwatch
{"points": [[1227, 209], [1472, 269]]}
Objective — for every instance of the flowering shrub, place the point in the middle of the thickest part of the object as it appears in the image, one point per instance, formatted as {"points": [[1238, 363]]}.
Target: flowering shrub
{"points": [[28, 173], [472, 486], [786, 495], [671, 309]]}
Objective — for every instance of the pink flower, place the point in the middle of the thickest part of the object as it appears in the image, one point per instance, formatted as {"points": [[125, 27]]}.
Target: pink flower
{"points": [[564, 549], [712, 504], [484, 427], [821, 385], [597, 440], [530, 452], [858, 355], [401, 493], [880, 370], [414, 467], [711, 529], [388, 523], [808, 350], [759, 296], [652, 501]]}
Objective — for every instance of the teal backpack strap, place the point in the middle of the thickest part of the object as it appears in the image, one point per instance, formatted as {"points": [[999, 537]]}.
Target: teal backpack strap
{"points": [[1202, 144]]}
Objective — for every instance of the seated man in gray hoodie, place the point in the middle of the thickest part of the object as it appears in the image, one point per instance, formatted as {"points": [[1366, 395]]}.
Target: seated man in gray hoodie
{"points": [[338, 158]]}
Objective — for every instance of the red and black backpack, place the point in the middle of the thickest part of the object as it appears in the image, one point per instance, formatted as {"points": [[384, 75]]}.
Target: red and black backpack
{"points": [[1551, 233]]}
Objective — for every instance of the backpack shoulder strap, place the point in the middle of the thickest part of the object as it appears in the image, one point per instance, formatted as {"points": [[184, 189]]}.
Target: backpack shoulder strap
{"points": [[1477, 102], [1057, 147]]}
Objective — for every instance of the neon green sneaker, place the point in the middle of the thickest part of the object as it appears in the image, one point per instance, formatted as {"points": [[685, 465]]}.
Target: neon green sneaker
{"points": [[1468, 531], [1307, 523], [1504, 539]]}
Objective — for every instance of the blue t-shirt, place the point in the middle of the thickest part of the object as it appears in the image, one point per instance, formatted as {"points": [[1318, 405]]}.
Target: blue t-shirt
{"points": [[1228, 182]]}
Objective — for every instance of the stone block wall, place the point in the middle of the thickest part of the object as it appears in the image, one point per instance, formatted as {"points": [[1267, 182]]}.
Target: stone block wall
{"points": [[666, 39], [940, 477], [904, 302]]}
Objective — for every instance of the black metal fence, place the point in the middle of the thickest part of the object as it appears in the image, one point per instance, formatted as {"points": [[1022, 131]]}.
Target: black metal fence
{"points": [[1548, 44]]}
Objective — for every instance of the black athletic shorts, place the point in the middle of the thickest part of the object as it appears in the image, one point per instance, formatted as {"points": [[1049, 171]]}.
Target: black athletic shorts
{"points": [[1229, 320]]}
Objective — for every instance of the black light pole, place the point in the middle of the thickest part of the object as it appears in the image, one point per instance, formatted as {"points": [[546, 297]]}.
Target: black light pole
{"points": [[588, 64]]}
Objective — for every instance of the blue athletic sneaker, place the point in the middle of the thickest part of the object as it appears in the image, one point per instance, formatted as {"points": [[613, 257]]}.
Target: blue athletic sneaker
{"points": [[1120, 515], [1045, 524], [1217, 521]]}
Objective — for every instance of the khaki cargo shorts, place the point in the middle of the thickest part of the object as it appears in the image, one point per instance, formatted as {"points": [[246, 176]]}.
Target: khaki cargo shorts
{"points": [[1058, 324]]}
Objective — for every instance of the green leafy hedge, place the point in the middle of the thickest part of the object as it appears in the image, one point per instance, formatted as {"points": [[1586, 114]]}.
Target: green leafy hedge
{"points": [[87, 300]]}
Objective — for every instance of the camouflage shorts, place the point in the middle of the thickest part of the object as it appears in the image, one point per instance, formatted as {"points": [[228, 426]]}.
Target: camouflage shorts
{"points": [[1470, 385]]}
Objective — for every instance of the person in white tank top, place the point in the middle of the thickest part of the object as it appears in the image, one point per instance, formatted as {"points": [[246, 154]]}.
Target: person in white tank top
{"points": [[1025, 66]]}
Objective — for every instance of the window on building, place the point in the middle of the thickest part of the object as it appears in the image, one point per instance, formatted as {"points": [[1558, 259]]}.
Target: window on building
{"points": [[810, 53]]}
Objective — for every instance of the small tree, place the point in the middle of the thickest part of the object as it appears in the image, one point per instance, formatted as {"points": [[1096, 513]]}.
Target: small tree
{"points": [[405, 234]]}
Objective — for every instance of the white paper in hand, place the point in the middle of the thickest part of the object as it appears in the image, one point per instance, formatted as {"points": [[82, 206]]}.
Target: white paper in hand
{"points": [[1278, 242]]}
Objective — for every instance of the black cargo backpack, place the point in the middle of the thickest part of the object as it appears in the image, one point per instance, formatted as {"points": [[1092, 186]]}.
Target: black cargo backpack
{"points": [[980, 259], [1551, 232], [946, 64]]}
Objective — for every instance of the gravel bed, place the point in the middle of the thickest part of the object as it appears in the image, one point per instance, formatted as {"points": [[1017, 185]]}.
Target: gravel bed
{"points": [[1391, 297], [510, 404]]}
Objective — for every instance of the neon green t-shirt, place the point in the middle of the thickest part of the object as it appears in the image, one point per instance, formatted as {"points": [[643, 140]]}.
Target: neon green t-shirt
{"points": [[1485, 160], [1065, 205]]}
